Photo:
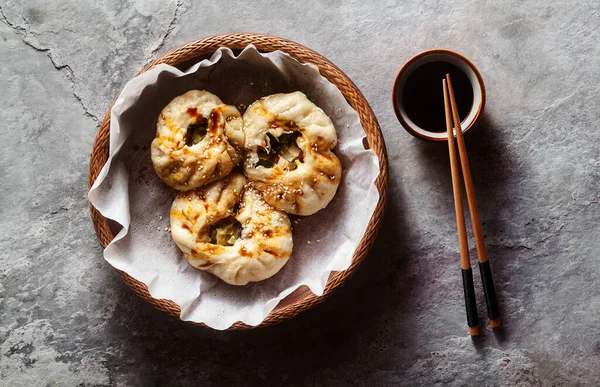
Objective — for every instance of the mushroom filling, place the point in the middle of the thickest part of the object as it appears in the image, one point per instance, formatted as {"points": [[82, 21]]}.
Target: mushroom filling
{"points": [[282, 150], [225, 232], [196, 131]]}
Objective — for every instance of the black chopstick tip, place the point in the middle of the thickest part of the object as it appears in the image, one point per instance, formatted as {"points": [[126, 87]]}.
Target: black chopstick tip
{"points": [[495, 323], [490, 293]]}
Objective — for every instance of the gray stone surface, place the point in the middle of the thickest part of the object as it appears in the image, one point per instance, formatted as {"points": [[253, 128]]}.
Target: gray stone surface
{"points": [[67, 319]]}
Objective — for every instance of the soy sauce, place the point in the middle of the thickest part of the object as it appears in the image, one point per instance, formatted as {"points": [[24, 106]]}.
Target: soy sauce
{"points": [[423, 96]]}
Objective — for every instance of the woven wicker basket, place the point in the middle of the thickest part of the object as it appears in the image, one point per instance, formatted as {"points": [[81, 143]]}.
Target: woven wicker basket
{"points": [[302, 299]]}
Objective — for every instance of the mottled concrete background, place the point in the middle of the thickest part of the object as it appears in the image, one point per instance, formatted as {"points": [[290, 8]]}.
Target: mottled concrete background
{"points": [[67, 319]]}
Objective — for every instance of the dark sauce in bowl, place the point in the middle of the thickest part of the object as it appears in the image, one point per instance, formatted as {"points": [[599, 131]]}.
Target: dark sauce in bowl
{"points": [[423, 97]]}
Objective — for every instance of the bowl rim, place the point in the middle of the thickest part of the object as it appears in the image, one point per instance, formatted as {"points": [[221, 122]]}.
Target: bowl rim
{"points": [[301, 299], [408, 64]]}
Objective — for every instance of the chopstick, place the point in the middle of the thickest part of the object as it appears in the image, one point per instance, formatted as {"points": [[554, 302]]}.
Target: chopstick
{"points": [[465, 262], [484, 264]]}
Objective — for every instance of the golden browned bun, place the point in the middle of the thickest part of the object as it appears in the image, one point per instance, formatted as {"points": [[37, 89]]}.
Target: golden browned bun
{"points": [[289, 158], [227, 229], [198, 140]]}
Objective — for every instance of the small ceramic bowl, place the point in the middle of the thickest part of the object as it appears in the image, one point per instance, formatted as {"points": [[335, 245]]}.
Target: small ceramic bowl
{"points": [[455, 59]]}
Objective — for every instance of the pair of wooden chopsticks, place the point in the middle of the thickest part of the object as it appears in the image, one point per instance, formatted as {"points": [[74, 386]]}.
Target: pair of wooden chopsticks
{"points": [[484, 264]]}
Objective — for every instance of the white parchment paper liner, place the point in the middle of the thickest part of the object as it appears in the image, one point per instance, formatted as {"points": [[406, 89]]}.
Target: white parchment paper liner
{"points": [[128, 191]]}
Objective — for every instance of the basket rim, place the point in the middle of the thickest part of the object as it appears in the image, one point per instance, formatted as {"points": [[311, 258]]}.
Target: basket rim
{"points": [[301, 299]]}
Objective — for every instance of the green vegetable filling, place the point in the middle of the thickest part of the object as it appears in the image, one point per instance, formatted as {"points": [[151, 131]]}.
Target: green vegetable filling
{"points": [[225, 232], [196, 132], [283, 151]]}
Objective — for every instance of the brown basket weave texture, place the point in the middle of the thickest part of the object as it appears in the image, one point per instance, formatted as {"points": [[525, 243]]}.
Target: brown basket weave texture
{"points": [[302, 299]]}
